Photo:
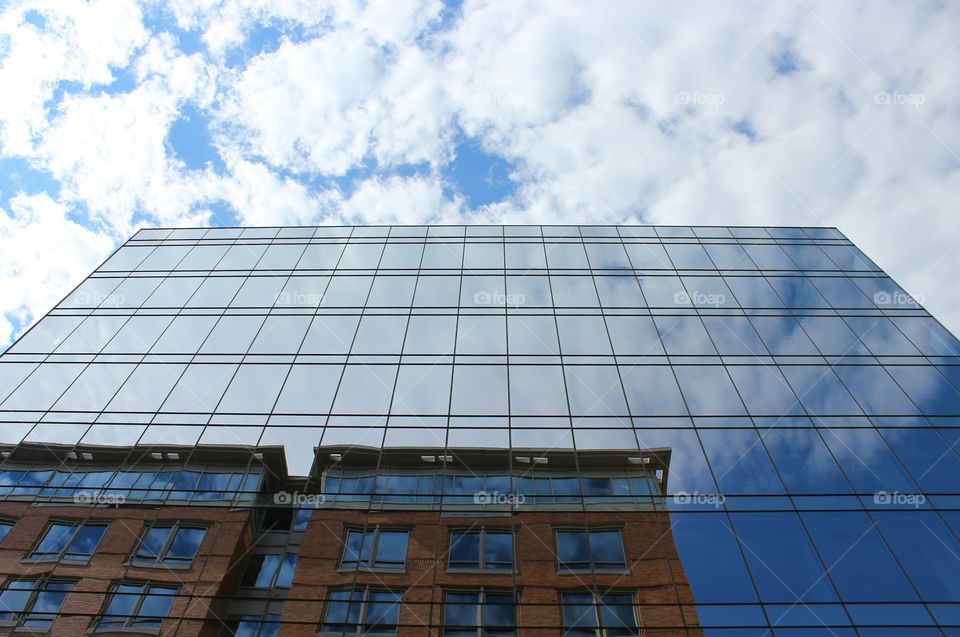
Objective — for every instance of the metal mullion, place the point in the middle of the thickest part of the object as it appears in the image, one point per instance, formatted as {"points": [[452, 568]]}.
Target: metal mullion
{"points": [[795, 511], [374, 546], [726, 512], [135, 611], [162, 556], [193, 357]]}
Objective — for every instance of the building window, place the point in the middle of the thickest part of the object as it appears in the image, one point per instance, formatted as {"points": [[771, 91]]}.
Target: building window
{"points": [[485, 549], [361, 611], [253, 626], [598, 615], [375, 548], [136, 607], [590, 550], [479, 614], [69, 541], [169, 545], [5, 528], [270, 570], [32, 603], [174, 483]]}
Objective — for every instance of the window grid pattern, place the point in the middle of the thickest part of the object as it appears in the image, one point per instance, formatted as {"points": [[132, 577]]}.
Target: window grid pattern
{"points": [[167, 544], [591, 550], [69, 541], [376, 548], [482, 613], [361, 611], [806, 398], [32, 603], [481, 549], [85, 485], [136, 606]]}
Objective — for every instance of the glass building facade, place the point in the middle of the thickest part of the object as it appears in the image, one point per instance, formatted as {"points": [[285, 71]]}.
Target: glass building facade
{"points": [[483, 430]]}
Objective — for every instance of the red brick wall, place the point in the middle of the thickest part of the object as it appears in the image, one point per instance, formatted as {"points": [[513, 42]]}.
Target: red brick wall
{"points": [[211, 577], [654, 575]]}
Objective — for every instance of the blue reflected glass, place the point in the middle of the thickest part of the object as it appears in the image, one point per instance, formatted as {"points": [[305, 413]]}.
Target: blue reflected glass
{"points": [[875, 391], [734, 336], [652, 391], [797, 292], [832, 336], [820, 391], [781, 559], [689, 256], [684, 335], [769, 257], [753, 292], [927, 457], [861, 567], [740, 462], [765, 391], [927, 388], [804, 462], [841, 292], [664, 291], [881, 336], [710, 558], [926, 548], [928, 336], [783, 336], [729, 256], [808, 257], [708, 391], [867, 461]]}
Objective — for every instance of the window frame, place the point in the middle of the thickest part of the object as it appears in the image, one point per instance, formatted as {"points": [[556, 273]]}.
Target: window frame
{"points": [[160, 561], [592, 564], [596, 603], [134, 615], [482, 591], [17, 622], [265, 622], [360, 626], [482, 561], [375, 544], [62, 554], [283, 553], [8, 524]]}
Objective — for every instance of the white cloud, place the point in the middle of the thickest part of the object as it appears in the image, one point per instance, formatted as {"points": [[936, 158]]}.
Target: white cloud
{"points": [[405, 200], [262, 198], [43, 253], [74, 46], [608, 112], [309, 122], [110, 151]]}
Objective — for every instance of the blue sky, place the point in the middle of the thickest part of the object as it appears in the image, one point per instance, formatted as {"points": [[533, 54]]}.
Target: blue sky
{"points": [[118, 114]]}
